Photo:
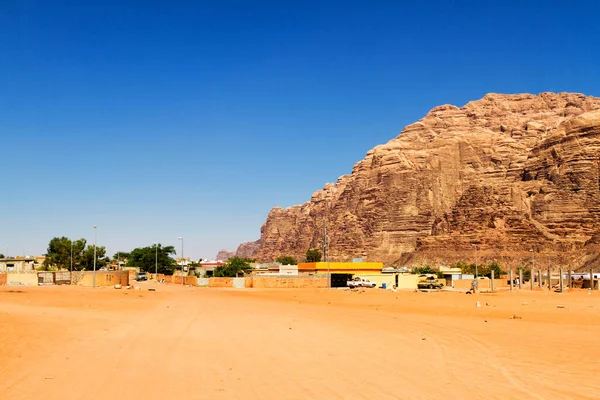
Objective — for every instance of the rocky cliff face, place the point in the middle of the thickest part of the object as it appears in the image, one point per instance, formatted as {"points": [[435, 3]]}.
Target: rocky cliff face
{"points": [[508, 173], [248, 249], [244, 250], [224, 255]]}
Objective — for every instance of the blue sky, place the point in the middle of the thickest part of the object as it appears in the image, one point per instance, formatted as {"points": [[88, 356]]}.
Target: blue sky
{"points": [[194, 119]]}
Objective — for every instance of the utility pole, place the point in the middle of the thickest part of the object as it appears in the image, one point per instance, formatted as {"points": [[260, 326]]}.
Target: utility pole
{"points": [[95, 246], [532, 269], [476, 261], [182, 261], [324, 239], [328, 265]]}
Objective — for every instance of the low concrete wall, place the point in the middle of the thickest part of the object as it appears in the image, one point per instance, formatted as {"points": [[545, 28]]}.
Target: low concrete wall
{"points": [[405, 281], [408, 281], [220, 282], [380, 279], [132, 274], [103, 278], [189, 280], [289, 282], [25, 278], [2, 279], [485, 284]]}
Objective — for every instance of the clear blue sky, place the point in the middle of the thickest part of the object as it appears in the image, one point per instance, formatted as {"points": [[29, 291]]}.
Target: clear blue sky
{"points": [[194, 119]]}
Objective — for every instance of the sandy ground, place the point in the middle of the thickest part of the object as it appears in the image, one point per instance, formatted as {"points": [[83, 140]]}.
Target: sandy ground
{"points": [[200, 343]]}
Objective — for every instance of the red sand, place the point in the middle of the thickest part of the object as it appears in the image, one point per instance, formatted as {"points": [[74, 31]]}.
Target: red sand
{"points": [[201, 343]]}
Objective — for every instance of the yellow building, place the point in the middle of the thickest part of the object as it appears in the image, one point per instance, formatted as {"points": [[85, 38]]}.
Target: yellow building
{"points": [[358, 268]]}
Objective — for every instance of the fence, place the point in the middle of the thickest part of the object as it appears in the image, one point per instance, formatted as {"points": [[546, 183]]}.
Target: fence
{"points": [[203, 281], [45, 278]]}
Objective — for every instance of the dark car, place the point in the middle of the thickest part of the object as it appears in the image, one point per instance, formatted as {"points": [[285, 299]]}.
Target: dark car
{"points": [[141, 276]]}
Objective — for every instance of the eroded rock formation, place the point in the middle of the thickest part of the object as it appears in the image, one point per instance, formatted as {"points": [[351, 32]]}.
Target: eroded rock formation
{"points": [[248, 249], [224, 255], [244, 250], [508, 173]]}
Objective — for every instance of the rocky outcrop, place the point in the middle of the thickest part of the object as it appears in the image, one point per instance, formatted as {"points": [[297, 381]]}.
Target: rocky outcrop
{"points": [[244, 250], [248, 250], [507, 173], [224, 255]]}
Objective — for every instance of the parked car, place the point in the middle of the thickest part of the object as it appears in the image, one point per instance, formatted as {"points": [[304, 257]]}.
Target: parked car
{"points": [[141, 276], [360, 282], [430, 282]]}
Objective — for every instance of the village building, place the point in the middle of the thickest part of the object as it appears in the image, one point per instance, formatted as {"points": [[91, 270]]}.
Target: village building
{"points": [[356, 268], [18, 264]]}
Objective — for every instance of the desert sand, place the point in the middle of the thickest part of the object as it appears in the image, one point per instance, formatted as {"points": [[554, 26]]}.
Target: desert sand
{"points": [[200, 343]]}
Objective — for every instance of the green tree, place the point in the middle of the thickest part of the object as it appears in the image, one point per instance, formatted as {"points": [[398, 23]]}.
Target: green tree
{"points": [[233, 267], [145, 258], [58, 254], [2, 255], [313, 255], [287, 260], [482, 269], [497, 270], [423, 270], [87, 261]]}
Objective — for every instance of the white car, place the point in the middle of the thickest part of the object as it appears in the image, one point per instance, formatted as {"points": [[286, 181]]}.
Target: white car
{"points": [[360, 282]]}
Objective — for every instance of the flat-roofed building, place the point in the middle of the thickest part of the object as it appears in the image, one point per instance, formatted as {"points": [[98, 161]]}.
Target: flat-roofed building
{"points": [[357, 268], [17, 264]]}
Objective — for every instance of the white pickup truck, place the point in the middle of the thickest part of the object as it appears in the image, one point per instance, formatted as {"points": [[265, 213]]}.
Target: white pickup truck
{"points": [[360, 282]]}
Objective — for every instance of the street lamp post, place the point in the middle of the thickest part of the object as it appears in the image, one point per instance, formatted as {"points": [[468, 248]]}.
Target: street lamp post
{"points": [[182, 276], [95, 246], [328, 263], [476, 260], [532, 274]]}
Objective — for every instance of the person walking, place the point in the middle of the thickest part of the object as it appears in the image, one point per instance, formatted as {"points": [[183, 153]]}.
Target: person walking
{"points": [[474, 285]]}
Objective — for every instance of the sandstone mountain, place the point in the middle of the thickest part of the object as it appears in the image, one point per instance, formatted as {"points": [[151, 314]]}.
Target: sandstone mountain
{"points": [[508, 173], [248, 249], [244, 250], [224, 255]]}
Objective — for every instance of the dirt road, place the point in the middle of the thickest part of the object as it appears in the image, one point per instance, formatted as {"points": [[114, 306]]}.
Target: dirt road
{"points": [[194, 343]]}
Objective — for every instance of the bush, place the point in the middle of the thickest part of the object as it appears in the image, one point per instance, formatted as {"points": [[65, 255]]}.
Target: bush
{"points": [[287, 260], [233, 267], [313, 255], [423, 270], [482, 269]]}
